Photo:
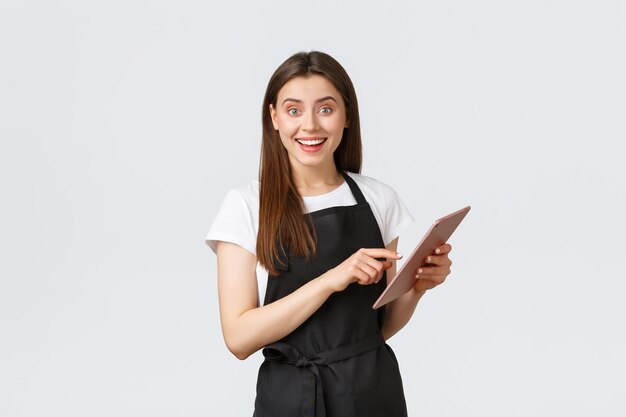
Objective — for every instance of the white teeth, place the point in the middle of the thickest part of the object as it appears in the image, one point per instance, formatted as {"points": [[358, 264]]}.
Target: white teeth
{"points": [[311, 142]]}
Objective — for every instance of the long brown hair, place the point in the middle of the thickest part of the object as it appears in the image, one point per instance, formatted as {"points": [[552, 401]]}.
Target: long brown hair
{"points": [[282, 224]]}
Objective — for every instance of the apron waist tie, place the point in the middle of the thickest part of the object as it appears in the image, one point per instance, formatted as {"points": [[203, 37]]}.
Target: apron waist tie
{"points": [[312, 397]]}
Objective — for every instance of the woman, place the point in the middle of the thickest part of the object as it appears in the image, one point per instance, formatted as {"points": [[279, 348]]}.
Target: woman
{"points": [[327, 236]]}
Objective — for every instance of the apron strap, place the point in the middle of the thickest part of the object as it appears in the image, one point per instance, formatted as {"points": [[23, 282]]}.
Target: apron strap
{"points": [[313, 393], [356, 191]]}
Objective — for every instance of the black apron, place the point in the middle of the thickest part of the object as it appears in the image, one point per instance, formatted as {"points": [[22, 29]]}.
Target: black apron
{"points": [[336, 363]]}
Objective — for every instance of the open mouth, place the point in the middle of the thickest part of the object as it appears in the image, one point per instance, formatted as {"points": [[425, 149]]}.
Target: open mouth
{"points": [[311, 145], [311, 142]]}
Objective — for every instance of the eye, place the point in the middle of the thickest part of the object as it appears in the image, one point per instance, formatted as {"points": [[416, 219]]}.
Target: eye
{"points": [[292, 111], [326, 110]]}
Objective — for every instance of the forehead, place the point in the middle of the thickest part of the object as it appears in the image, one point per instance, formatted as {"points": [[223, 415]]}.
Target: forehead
{"points": [[308, 88]]}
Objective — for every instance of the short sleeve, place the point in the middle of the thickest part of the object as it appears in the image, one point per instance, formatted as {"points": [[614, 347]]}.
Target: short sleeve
{"points": [[233, 223], [396, 216]]}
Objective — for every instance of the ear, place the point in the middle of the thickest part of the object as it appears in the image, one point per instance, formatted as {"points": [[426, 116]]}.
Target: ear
{"points": [[273, 116], [347, 123]]}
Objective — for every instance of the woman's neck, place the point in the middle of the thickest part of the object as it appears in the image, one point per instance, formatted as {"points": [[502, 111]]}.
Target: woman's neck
{"points": [[316, 180]]}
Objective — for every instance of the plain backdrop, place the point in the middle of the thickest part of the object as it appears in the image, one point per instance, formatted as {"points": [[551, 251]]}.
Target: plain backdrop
{"points": [[124, 123]]}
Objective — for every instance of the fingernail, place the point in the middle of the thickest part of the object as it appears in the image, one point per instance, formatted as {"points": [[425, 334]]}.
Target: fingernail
{"points": [[417, 276], [419, 271], [428, 259], [399, 254], [437, 251]]}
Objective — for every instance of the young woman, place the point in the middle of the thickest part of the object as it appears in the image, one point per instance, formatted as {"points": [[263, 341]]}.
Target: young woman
{"points": [[320, 238]]}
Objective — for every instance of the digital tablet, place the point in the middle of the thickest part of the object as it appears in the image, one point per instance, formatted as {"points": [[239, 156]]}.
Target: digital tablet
{"points": [[437, 235]]}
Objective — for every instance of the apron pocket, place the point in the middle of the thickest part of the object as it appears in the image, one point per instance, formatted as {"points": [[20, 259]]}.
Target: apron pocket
{"points": [[367, 403], [373, 403]]}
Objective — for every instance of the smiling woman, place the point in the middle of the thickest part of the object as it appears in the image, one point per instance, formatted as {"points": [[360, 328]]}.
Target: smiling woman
{"points": [[325, 237], [326, 114], [310, 128]]}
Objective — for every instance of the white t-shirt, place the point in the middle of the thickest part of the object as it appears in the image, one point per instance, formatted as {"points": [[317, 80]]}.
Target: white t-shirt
{"points": [[237, 219]]}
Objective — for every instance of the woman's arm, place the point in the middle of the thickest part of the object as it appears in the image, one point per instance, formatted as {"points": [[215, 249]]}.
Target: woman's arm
{"points": [[400, 310], [247, 327]]}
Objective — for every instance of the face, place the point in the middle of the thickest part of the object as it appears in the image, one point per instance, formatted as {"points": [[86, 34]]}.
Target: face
{"points": [[310, 116]]}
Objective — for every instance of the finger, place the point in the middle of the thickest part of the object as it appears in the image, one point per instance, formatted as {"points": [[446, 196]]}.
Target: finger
{"points": [[427, 271], [384, 265], [438, 260], [380, 253], [371, 270], [361, 278], [437, 279], [434, 279], [387, 265], [362, 271], [379, 266], [445, 248]]}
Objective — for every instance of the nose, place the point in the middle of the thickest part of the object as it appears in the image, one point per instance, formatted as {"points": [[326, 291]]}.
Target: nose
{"points": [[309, 122]]}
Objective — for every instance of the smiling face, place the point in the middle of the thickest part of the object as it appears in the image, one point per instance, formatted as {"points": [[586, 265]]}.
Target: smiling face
{"points": [[310, 116]]}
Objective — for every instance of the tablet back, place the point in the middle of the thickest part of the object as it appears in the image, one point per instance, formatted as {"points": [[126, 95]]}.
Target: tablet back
{"points": [[437, 235]]}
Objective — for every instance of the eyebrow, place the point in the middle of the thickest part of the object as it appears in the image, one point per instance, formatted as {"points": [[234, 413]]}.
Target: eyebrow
{"points": [[317, 101]]}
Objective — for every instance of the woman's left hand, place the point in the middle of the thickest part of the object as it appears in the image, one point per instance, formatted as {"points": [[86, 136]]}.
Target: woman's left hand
{"points": [[435, 271]]}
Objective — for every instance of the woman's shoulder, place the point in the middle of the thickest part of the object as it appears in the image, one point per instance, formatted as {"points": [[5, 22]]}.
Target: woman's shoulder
{"points": [[371, 184], [248, 194], [236, 219]]}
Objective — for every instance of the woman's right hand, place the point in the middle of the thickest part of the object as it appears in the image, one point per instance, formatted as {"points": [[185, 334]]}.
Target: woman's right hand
{"points": [[361, 267]]}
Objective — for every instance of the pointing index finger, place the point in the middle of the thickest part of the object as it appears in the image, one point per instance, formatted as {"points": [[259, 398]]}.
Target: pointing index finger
{"points": [[382, 253]]}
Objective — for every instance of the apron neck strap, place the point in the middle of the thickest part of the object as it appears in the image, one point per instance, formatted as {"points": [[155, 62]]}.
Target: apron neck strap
{"points": [[356, 191]]}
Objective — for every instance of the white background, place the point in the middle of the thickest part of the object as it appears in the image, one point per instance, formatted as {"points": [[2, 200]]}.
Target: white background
{"points": [[124, 123]]}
